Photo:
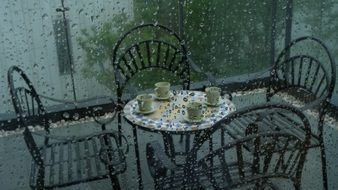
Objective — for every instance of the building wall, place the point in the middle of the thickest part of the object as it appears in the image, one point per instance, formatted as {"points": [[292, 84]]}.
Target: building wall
{"points": [[27, 40]]}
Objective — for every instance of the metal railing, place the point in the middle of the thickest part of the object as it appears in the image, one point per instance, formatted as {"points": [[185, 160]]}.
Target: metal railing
{"points": [[254, 81]]}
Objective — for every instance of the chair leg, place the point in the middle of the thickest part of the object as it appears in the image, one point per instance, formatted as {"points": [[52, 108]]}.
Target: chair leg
{"points": [[138, 162], [40, 179], [181, 138], [157, 185], [323, 157], [211, 148], [297, 183], [297, 186], [119, 123], [187, 143], [113, 179]]}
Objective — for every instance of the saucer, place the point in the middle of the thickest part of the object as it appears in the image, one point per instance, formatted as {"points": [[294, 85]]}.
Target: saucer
{"points": [[213, 105], [193, 120], [153, 109], [163, 98]]}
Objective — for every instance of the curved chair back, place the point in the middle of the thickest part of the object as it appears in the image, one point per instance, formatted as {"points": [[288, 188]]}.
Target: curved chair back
{"points": [[273, 155], [287, 149], [149, 46], [258, 115], [310, 73], [27, 105], [296, 47]]}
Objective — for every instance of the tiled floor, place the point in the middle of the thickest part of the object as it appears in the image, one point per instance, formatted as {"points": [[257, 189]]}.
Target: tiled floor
{"points": [[15, 159]]}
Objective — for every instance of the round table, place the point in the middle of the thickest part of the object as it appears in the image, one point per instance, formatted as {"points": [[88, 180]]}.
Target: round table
{"points": [[169, 117]]}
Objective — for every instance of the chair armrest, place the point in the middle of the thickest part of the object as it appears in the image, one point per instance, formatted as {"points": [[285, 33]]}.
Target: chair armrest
{"points": [[96, 116], [313, 104], [54, 137], [305, 105], [76, 138], [158, 162], [112, 133]]}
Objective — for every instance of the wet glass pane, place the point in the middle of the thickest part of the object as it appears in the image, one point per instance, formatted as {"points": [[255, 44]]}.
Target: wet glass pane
{"points": [[317, 19], [231, 37], [176, 94]]}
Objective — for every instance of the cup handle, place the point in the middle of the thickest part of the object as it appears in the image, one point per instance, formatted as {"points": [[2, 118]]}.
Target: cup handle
{"points": [[156, 90], [140, 103]]}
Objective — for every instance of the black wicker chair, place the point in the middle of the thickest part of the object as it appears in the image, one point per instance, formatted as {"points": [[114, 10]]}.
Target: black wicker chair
{"points": [[246, 162], [147, 47], [306, 69], [62, 161]]}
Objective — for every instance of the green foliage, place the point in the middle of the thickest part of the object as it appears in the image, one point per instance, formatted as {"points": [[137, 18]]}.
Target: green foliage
{"points": [[98, 44], [225, 38], [229, 38]]}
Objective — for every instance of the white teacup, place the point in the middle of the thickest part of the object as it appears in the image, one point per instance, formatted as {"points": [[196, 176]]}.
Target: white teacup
{"points": [[162, 89], [144, 102], [194, 110], [213, 94]]}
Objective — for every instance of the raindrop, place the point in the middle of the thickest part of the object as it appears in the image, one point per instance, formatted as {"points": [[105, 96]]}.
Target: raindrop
{"points": [[45, 16], [76, 116], [74, 25], [66, 115]]}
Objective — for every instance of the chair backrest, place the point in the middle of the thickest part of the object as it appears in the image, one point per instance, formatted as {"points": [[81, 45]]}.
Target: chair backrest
{"points": [[149, 46], [305, 64], [277, 141], [273, 155], [27, 105]]}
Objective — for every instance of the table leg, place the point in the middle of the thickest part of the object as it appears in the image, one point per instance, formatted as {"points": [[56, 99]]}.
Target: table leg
{"points": [[222, 136], [210, 150], [169, 145], [138, 161], [103, 127], [119, 125], [187, 143]]}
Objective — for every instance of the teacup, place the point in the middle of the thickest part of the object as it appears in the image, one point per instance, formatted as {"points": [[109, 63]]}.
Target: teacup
{"points": [[144, 102], [194, 110], [162, 89], [213, 94]]}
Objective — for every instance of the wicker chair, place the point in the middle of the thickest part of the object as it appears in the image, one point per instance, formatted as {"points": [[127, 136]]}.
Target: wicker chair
{"points": [[62, 161]]}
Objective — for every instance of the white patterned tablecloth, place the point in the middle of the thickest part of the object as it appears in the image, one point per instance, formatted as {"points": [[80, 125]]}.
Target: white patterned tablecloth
{"points": [[170, 114]]}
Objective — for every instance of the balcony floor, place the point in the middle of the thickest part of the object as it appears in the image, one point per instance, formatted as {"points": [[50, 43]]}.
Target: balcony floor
{"points": [[15, 159]]}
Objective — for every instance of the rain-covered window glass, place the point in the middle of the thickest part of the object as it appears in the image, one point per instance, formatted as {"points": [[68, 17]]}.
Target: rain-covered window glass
{"points": [[231, 37], [317, 18], [143, 94]]}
